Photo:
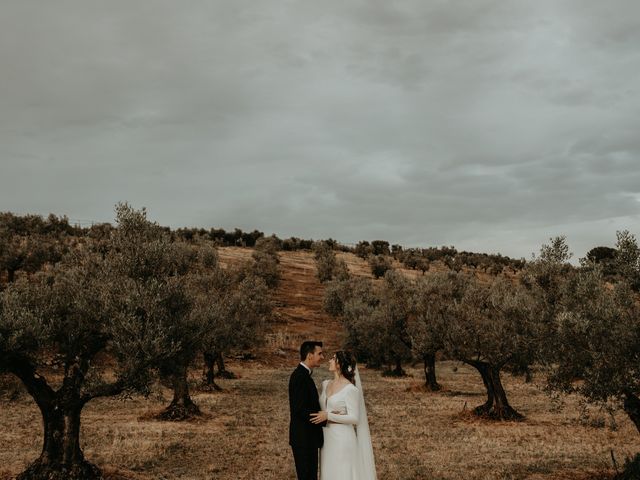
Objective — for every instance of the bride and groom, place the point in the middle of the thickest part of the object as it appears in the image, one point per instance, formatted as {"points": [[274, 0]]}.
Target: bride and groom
{"points": [[335, 422]]}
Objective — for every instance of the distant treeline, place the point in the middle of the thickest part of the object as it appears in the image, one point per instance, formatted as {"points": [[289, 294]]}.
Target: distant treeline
{"points": [[420, 259]]}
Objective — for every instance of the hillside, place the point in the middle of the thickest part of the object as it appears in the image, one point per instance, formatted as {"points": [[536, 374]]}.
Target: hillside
{"points": [[298, 312]]}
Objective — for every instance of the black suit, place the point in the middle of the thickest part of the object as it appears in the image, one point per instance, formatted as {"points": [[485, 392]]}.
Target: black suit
{"points": [[305, 438]]}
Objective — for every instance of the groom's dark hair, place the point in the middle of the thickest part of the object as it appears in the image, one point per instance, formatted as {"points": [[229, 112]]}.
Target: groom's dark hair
{"points": [[308, 347]]}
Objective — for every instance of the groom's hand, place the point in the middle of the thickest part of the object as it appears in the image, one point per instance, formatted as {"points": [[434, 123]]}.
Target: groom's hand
{"points": [[319, 417]]}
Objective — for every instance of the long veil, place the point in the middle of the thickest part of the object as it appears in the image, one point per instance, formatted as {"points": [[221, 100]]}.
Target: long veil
{"points": [[367, 463]]}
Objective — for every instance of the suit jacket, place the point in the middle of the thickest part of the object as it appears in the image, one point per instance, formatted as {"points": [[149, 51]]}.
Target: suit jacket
{"points": [[303, 401]]}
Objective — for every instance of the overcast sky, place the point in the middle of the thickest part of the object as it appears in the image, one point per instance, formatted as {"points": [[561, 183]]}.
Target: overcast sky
{"points": [[488, 125]]}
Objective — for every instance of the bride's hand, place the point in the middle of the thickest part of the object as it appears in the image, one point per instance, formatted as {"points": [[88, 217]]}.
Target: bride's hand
{"points": [[319, 417]]}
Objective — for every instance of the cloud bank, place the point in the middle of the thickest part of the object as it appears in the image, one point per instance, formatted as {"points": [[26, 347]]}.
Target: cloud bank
{"points": [[483, 124]]}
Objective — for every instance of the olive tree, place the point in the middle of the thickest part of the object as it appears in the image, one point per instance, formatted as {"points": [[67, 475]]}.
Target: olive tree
{"points": [[328, 266], [393, 314], [354, 301], [413, 258], [27, 253], [605, 256], [234, 309], [434, 302], [376, 319], [339, 291], [627, 258], [495, 323], [598, 342], [266, 262], [596, 347], [82, 307], [544, 277], [379, 265], [141, 257]]}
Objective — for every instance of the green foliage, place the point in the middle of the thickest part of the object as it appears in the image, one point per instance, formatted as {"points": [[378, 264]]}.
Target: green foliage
{"points": [[148, 271], [375, 321], [294, 243], [26, 225], [380, 247], [363, 249], [234, 311], [627, 261], [338, 292], [86, 304], [396, 250], [219, 236], [557, 252], [494, 322], [414, 259], [379, 265], [597, 339], [421, 258], [434, 301], [327, 264], [545, 276], [266, 261], [394, 311], [454, 262], [592, 327], [354, 300], [27, 253], [601, 254]]}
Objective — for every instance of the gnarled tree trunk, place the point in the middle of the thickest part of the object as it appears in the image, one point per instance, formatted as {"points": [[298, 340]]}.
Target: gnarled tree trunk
{"points": [[430, 380], [222, 371], [61, 456], [631, 406], [208, 374], [397, 370], [497, 406], [181, 407]]}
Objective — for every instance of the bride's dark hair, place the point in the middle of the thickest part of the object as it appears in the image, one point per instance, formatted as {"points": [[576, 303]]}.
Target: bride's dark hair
{"points": [[347, 364]]}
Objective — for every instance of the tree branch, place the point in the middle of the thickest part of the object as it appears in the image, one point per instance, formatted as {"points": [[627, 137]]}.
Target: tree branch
{"points": [[36, 385], [103, 390]]}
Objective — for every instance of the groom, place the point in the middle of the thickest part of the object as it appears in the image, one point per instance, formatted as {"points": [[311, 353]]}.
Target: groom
{"points": [[305, 438]]}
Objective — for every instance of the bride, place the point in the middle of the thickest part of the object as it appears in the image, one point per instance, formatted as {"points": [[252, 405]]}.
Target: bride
{"points": [[347, 453]]}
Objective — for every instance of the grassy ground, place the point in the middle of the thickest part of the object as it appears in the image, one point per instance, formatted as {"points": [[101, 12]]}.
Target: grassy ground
{"points": [[416, 434]]}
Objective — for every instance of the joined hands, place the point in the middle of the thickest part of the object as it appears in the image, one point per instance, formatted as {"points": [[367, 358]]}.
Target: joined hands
{"points": [[321, 417]]}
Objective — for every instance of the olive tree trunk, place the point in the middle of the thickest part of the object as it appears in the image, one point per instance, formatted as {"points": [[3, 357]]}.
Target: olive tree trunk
{"points": [[396, 370], [222, 371], [631, 406], [430, 380], [181, 407], [497, 406], [61, 456], [208, 374]]}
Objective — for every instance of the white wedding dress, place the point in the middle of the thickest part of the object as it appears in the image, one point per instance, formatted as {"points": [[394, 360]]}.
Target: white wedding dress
{"points": [[347, 453]]}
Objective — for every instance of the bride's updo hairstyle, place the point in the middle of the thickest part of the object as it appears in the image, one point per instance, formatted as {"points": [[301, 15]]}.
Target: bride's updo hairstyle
{"points": [[347, 364]]}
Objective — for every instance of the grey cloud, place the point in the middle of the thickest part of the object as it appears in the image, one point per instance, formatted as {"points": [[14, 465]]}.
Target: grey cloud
{"points": [[486, 124]]}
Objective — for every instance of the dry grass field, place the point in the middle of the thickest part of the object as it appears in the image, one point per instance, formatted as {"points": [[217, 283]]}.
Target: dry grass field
{"points": [[244, 431], [416, 434]]}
